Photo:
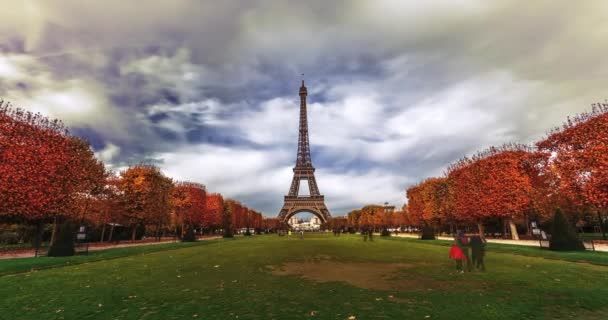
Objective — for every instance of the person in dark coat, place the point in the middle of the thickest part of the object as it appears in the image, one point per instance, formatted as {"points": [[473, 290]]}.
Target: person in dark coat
{"points": [[478, 244]]}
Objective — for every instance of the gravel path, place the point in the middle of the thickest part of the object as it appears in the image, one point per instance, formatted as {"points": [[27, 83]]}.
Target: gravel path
{"points": [[96, 246]]}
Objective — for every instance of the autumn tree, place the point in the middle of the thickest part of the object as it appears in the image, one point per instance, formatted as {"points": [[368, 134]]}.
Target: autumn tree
{"points": [[146, 193], [189, 203], [578, 152], [416, 205], [338, 224], [271, 224], [228, 210], [353, 218], [107, 208], [493, 183], [212, 219], [46, 173], [400, 217]]}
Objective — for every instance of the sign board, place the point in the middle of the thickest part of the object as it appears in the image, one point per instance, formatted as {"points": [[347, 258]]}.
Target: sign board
{"points": [[81, 229], [535, 231], [533, 223], [81, 236]]}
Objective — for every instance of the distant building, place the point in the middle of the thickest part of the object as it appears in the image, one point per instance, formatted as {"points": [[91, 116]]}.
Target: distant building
{"points": [[311, 225]]}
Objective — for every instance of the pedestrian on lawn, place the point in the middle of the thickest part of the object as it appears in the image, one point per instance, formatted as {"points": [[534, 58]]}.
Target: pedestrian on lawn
{"points": [[478, 251]]}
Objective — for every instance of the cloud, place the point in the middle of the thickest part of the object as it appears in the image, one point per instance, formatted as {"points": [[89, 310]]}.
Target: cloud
{"points": [[397, 89]]}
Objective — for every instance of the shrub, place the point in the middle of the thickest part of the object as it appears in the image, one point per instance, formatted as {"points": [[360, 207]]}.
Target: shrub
{"points": [[563, 236], [64, 241], [427, 233], [8, 237], [189, 235]]}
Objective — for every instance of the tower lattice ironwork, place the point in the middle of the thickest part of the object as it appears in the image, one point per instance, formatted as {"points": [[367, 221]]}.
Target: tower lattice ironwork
{"points": [[314, 202]]}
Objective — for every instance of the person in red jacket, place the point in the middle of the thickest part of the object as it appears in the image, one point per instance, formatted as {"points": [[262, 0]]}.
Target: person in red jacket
{"points": [[457, 255], [460, 252]]}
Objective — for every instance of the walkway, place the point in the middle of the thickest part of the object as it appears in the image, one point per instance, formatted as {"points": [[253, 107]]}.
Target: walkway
{"points": [[96, 246]]}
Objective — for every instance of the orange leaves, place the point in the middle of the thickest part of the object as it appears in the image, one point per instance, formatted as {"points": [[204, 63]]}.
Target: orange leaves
{"points": [[215, 209], [189, 200], [369, 216], [429, 201], [45, 172], [496, 184], [569, 167], [243, 217], [578, 153], [145, 193]]}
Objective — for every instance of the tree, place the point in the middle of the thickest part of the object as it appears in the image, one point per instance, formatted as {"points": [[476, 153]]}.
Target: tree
{"points": [[494, 183], [212, 218], [421, 207], [47, 174], [563, 237], [271, 224], [64, 246], [145, 196], [416, 205], [400, 217], [227, 218], [189, 200], [34, 152], [353, 218], [578, 153], [109, 208]]}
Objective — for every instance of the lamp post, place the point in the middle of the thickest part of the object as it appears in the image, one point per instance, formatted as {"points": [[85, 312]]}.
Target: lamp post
{"points": [[388, 209]]}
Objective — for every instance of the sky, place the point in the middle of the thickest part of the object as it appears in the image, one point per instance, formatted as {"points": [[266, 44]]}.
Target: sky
{"points": [[398, 90]]}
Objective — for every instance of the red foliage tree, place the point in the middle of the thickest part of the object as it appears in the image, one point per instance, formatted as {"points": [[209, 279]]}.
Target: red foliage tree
{"points": [[145, 193], [189, 202], [212, 218], [494, 183], [46, 173], [271, 224], [578, 152]]}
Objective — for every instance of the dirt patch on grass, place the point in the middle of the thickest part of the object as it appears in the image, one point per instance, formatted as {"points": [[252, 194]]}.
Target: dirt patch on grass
{"points": [[367, 275]]}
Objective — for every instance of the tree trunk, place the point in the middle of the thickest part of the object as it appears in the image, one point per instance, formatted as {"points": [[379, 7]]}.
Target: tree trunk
{"points": [[601, 224], [527, 219], [111, 232], [504, 228], [481, 229], [513, 227], [133, 232], [54, 232], [38, 237], [103, 232]]}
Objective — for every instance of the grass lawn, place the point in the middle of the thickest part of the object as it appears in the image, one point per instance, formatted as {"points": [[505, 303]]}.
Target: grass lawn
{"points": [[322, 277]]}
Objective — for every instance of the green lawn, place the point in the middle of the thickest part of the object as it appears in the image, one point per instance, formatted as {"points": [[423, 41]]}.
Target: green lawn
{"points": [[255, 278]]}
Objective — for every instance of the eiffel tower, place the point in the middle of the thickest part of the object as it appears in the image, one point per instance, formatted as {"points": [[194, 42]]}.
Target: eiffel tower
{"points": [[315, 202]]}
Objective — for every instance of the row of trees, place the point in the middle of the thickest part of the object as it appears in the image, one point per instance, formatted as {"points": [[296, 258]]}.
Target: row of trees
{"points": [[374, 217], [51, 176], [516, 183]]}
